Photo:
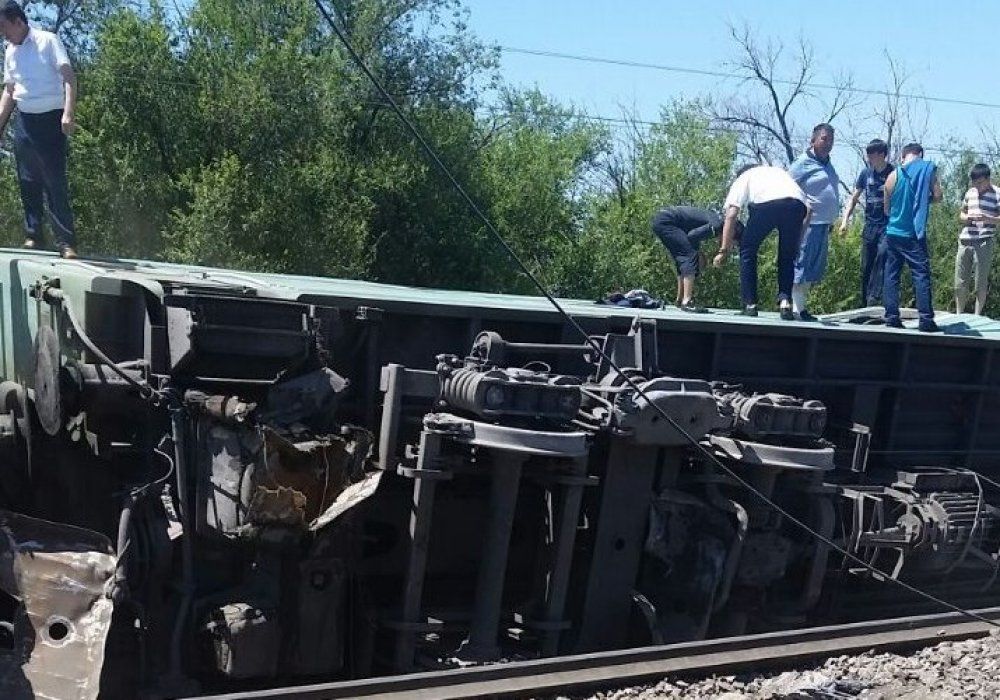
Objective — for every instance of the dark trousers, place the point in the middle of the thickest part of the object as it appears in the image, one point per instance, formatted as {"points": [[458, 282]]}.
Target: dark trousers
{"points": [[681, 244], [785, 215], [873, 252], [40, 151], [912, 252]]}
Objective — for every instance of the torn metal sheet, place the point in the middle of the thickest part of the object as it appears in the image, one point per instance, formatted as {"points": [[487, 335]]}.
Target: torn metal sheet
{"points": [[318, 469], [347, 499], [256, 476], [278, 506], [58, 573], [310, 399]]}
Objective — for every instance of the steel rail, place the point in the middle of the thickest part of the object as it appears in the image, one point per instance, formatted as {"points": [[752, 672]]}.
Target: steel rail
{"points": [[631, 666]]}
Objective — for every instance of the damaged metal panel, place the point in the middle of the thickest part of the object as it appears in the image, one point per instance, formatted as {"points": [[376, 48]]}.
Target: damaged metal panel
{"points": [[259, 477], [58, 573]]}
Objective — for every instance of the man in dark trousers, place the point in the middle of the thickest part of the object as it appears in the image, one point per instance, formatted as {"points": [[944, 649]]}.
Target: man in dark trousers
{"points": [[774, 201], [682, 230], [40, 82], [871, 183], [909, 191]]}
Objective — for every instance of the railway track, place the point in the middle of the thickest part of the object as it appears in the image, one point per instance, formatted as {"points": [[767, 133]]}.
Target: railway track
{"points": [[627, 667]]}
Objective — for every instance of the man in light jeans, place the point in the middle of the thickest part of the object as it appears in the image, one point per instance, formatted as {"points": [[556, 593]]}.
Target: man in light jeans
{"points": [[814, 173], [980, 214]]}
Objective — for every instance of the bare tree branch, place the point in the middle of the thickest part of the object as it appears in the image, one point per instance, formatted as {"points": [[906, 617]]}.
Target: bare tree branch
{"points": [[764, 120], [899, 113]]}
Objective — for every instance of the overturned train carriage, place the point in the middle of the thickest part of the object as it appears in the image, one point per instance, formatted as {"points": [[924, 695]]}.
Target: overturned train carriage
{"points": [[218, 480]]}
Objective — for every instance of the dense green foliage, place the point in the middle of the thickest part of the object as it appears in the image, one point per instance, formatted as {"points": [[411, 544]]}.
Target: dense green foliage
{"points": [[240, 135]]}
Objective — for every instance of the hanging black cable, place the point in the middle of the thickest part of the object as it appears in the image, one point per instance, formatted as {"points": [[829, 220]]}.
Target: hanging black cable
{"points": [[598, 351]]}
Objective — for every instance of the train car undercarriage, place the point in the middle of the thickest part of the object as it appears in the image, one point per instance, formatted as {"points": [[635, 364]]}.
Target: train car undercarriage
{"points": [[216, 481]]}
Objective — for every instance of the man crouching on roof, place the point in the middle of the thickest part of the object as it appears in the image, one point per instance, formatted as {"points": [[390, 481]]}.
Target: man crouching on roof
{"points": [[682, 230]]}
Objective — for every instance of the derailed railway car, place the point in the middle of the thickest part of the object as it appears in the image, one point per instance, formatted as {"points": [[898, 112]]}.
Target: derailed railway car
{"points": [[217, 480]]}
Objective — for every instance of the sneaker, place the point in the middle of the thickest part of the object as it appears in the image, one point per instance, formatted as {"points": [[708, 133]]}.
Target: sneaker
{"points": [[787, 314], [928, 327], [67, 252], [749, 310], [692, 307], [893, 323], [29, 243], [806, 316]]}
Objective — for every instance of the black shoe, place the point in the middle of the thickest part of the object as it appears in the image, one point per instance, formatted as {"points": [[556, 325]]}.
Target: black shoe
{"points": [[787, 314], [749, 310], [894, 323], [928, 327], [692, 307], [806, 316]]}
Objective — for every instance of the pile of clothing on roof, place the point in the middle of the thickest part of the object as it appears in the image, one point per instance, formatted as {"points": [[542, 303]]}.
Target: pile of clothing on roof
{"points": [[632, 299]]}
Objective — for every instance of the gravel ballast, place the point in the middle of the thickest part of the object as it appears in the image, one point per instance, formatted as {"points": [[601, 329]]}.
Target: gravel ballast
{"points": [[968, 669]]}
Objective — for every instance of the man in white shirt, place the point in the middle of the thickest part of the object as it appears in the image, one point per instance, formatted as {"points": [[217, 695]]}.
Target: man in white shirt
{"points": [[774, 202], [40, 82]]}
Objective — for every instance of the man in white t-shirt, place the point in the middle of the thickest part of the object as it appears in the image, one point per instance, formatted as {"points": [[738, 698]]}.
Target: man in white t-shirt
{"points": [[774, 202], [40, 82]]}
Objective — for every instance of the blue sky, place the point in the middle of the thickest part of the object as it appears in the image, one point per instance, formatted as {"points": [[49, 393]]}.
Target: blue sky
{"points": [[934, 42]]}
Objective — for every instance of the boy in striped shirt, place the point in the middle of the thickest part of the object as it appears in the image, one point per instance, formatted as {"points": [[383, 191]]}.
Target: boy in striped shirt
{"points": [[980, 215]]}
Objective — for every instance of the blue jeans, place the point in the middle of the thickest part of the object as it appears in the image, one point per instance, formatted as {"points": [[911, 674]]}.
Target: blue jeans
{"points": [[913, 252], [810, 265], [40, 151], [873, 252], [786, 215]]}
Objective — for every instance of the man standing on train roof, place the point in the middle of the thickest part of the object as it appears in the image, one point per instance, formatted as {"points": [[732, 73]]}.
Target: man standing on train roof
{"points": [[40, 82], [814, 173], [871, 183], [980, 215], [774, 202], [682, 230], [909, 191]]}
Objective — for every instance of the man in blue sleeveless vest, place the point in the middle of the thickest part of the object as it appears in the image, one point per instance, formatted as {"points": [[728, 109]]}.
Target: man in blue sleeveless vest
{"points": [[909, 191]]}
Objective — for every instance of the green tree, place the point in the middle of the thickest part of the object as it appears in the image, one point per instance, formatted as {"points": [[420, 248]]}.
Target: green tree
{"points": [[679, 161]]}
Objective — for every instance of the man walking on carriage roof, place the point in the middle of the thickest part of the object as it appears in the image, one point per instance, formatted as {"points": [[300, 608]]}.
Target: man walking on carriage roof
{"points": [[40, 82], [815, 174]]}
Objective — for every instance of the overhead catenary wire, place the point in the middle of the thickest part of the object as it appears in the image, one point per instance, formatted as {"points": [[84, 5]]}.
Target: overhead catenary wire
{"points": [[599, 352], [629, 63], [495, 110], [737, 76], [630, 122]]}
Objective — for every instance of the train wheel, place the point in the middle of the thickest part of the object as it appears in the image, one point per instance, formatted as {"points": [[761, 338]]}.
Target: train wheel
{"points": [[48, 396]]}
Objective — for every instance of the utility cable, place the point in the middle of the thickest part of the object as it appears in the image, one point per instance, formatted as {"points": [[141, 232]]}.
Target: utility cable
{"points": [[738, 76], [495, 110], [599, 352]]}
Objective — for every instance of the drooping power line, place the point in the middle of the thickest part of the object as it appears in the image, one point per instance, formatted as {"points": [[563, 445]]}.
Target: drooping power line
{"points": [[729, 75]]}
